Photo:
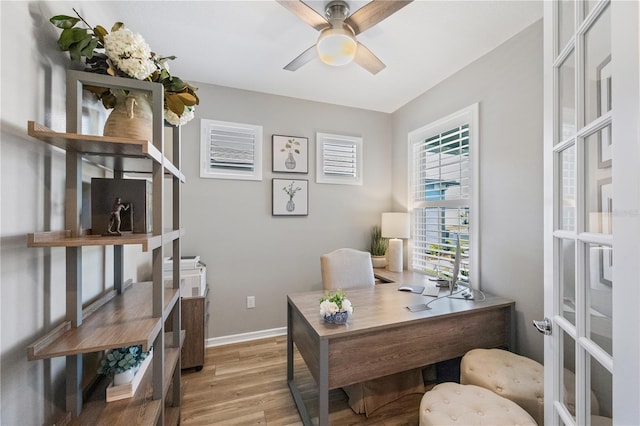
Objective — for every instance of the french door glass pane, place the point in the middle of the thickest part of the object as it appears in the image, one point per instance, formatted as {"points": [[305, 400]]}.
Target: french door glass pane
{"points": [[598, 182], [567, 173], [599, 294], [566, 22], [567, 279], [568, 384], [567, 98], [597, 90], [601, 391]]}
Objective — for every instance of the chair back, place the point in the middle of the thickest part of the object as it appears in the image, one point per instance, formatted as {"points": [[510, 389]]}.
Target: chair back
{"points": [[346, 268]]}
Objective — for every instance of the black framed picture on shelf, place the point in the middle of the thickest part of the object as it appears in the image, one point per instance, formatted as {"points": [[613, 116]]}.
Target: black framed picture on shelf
{"points": [[290, 197], [290, 154]]}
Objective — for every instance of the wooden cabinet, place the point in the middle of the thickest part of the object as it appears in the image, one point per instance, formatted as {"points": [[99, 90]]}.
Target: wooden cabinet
{"points": [[131, 314], [194, 323]]}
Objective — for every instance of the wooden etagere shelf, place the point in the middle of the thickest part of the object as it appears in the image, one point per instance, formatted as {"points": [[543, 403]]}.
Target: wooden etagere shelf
{"points": [[124, 154], [64, 239], [130, 314], [125, 320]]}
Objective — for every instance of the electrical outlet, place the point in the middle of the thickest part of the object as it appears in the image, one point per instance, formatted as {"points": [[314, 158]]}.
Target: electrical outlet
{"points": [[251, 302]]}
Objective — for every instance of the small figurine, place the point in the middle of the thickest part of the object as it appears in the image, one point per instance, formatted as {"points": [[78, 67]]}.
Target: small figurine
{"points": [[114, 221]]}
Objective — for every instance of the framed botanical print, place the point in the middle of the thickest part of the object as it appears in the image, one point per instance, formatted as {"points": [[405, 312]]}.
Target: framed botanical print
{"points": [[290, 197], [290, 154]]}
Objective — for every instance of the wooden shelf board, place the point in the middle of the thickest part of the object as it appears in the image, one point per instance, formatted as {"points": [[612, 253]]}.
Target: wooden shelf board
{"points": [[95, 145], [64, 239], [125, 320], [140, 409], [115, 153]]}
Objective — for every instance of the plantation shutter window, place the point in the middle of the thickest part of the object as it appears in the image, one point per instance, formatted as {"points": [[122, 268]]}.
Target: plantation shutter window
{"points": [[339, 159], [443, 195], [231, 150]]}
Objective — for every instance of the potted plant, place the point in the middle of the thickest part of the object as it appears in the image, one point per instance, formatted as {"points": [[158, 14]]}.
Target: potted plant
{"points": [[378, 247], [122, 363], [335, 307]]}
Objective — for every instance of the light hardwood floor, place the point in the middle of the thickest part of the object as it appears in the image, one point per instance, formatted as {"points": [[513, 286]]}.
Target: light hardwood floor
{"points": [[245, 384]]}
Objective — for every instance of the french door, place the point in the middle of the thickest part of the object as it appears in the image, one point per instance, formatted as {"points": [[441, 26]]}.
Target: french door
{"points": [[592, 212]]}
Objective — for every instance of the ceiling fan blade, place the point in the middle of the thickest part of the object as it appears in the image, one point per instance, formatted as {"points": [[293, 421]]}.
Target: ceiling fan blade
{"points": [[368, 60], [303, 58], [305, 13], [372, 13]]}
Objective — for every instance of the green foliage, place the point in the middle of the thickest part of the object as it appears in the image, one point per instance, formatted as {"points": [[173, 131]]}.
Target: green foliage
{"points": [[88, 44], [289, 146], [378, 244], [122, 359], [338, 297]]}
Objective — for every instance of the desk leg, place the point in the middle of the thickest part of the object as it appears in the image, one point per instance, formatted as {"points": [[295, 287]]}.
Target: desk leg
{"points": [[295, 392], [323, 397], [289, 346]]}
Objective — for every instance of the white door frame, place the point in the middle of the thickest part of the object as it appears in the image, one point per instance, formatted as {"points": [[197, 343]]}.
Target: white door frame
{"points": [[625, 47]]}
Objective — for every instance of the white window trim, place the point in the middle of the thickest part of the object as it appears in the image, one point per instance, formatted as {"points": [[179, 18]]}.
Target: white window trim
{"points": [[207, 172], [468, 115], [321, 177]]}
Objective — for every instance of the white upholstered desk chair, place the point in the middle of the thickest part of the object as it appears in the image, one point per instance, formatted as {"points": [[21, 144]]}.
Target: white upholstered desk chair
{"points": [[348, 268]]}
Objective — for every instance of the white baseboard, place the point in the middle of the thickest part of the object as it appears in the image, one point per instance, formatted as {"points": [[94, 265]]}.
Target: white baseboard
{"points": [[245, 337]]}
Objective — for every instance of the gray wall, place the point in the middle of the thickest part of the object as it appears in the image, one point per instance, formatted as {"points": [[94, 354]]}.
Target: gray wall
{"points": [[507, 84], [248, 251]]}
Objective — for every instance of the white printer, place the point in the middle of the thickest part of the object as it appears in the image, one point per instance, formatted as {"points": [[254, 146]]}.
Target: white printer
{"points": [[193, 274]]}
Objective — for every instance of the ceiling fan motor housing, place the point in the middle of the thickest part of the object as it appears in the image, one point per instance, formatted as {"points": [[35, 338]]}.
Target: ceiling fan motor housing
{"points": [[336, 9]]}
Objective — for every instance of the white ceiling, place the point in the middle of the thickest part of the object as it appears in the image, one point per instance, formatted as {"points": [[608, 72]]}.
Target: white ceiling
{"points": [[245, 44]]}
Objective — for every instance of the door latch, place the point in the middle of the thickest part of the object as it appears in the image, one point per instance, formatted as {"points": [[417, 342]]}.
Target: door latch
{"points": [[543, 326]]}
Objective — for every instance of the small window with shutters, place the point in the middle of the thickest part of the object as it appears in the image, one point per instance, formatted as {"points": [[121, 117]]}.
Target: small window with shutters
{"points": [[338, 159], [230, 150], [443, 194]]}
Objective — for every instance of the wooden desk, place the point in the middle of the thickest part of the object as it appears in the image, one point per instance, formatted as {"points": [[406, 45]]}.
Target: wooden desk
{"points": [[382, 337], [404, 277]]}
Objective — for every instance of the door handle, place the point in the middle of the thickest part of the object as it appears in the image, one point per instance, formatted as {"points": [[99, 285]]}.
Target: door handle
{"points": [[543, 326]]}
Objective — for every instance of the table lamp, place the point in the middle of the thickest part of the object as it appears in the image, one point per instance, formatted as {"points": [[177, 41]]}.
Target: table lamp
{"points": [[395, 226]]}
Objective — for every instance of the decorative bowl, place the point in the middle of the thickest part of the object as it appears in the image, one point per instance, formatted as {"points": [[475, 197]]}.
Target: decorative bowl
{"points": [[337, 318]]}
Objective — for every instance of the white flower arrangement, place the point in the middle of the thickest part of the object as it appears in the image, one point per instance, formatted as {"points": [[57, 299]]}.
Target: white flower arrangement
{"points": [[130, 53], [123, 53], [173, 119], [333, 303]]}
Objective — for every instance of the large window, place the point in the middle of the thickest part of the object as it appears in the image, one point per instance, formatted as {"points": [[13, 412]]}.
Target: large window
{"points": [[443, 170]]}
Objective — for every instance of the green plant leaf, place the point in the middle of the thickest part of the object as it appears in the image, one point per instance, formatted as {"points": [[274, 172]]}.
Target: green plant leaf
{"points": [[64, 21], [75, 50], [88, 50], [70, 36]]}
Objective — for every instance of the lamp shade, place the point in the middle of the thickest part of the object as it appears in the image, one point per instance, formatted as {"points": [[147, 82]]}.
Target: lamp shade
{"points": [[396, 225], [336, 46]]}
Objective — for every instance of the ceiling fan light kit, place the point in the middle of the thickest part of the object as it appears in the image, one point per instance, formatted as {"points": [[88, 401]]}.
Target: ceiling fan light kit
{"points": [[337, 44]]}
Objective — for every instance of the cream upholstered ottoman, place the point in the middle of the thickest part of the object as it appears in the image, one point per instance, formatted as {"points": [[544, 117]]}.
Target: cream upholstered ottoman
{"points": [[465, 405], [512, 376]]}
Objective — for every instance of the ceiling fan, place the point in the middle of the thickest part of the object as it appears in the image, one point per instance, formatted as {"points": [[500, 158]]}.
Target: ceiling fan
{"points": [[337, 44]]}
